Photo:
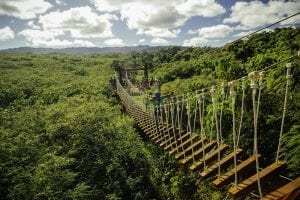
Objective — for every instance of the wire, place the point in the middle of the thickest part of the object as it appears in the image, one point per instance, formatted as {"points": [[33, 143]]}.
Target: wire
{"points": [[266, 69], [288, 81], [265, 27]]}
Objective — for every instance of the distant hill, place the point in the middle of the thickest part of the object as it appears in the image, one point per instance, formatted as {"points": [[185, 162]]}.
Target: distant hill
{"points": [[83, 50]]}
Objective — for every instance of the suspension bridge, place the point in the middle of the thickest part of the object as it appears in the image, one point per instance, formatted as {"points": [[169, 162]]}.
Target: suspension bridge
{"points": [[182, 126]]}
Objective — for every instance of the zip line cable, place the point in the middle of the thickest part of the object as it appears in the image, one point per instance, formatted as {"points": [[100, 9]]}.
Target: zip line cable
{"points": [[265, 27]]}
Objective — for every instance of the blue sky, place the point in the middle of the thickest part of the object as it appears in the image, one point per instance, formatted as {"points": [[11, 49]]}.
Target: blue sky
{"points": [[89, 23]]}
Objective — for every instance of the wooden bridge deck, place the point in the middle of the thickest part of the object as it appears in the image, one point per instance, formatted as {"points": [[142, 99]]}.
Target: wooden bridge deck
{"points": [[192, 152]]}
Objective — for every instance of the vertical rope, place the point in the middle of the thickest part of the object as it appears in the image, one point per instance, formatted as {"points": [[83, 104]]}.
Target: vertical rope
{"points": [[173, 124], [212, 127], [242, 111], [213, 95], [195, 115], [162, 131], [288, 82], [189, 126], [221, 112], [181, 112], [200, 102], [253, 85], [233, 98], [179, 123], [156, 110], [166, 109], [203, 112], [188, 111]]}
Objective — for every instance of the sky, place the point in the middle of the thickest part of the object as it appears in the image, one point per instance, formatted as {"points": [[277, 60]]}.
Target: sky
{"points": [[104, 23]]}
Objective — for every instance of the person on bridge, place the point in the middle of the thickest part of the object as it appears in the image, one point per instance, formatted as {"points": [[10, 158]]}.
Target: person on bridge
{"points": [[157, 99]]}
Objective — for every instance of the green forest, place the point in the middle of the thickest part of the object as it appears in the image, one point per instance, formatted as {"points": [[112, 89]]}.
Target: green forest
{"points": [[65, 135]]}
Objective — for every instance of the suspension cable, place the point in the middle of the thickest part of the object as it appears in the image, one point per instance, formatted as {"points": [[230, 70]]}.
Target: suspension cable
{"points": [[223, 96], [162, 131], [213, 96], [242, 111], [233, 98], [254, 86], [288, 82], [166, 109], [200, 102], [179, 111], [195, 114], [189, 126], [173, 125]]}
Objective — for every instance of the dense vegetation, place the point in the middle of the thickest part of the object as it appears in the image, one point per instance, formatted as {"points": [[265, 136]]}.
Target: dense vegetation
{"points": [[64, 136], [181, 70], [236, 60]]}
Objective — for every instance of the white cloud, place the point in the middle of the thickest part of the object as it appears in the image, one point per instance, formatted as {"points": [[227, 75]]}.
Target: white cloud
{"points": [[60, 2], [142, 40], [218, 31], [192, 32], [81, 22], [157, 18], [39, 38], [151, 20], [159, 41], [6, 33], [40, 35], [114, 42], [144, 16], [114, 5], [57, 43], [163, 33], [256, 13], [103, 5], [205, 8], [196, 41], [24, 9], [293, 20], [31, 25], [84, 43], [242, 34]]}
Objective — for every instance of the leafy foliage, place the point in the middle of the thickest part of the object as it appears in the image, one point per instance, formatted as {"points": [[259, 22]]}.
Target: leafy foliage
{"points": [[63, 137]]}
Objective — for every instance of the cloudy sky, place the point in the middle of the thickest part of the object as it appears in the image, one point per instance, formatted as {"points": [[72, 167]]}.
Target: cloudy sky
{"points": [[88, 23]]}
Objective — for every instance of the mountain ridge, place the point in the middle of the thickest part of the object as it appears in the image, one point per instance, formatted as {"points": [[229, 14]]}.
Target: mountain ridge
{"points": [[83, 50]]}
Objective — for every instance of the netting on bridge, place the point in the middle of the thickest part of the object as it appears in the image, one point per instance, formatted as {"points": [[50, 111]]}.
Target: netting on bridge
{"points": [[191, 127]]}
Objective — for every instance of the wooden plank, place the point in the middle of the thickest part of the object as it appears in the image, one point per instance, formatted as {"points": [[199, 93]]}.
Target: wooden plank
{"points": [[224, 162], [283, 191], [198, 154], [171, 137], [197, 144], [170, 140], [161, 134], [250, 184], [141, 119], [156, 134], [179, 141], [228, 177], [159, 125], [147, 125], [171, 146], [165, 135], [209, 157], [185, 144]]}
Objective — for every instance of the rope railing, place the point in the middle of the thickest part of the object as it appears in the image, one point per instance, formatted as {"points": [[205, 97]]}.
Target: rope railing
{"points": [[180, 109]]}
